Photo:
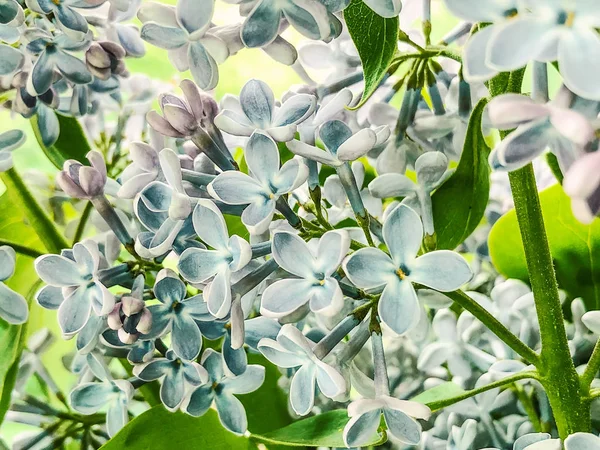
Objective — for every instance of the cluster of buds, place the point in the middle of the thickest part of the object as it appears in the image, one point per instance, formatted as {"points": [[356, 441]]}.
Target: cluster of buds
{"points": [[81, 181]]}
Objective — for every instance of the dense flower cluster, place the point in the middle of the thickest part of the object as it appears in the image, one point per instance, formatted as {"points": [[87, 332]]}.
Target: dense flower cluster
{"points": [[314, 244]]}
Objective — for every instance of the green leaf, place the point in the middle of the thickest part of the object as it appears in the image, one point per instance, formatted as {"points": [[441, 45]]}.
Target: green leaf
{"points": [[158, 428], [24, 281], [440, 393], [575, 247], [324, 430], [459, 204], [21, 199], [376, 39], [72, 142], [267, 407]]}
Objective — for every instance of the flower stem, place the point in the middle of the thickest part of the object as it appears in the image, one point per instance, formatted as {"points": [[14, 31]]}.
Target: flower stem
{"points": [[23, 250], [495, 326], [593, 366]]}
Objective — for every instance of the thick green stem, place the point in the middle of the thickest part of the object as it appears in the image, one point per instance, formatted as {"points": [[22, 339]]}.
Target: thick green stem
{"points": [[37, 217], [495, 326], [559, 377]]}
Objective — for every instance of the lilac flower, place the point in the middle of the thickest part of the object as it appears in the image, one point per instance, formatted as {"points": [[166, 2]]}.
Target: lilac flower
{"points": [[130, 317], [177, 314], [256, 110], [184, 32], [13, 307], [399, 417], [431, 173], [228, 255], [222, 389], [11, 17], [9, 140], [315, 284], [144, 169], [261, 27], [69, 20], [89, 398], [582, 184], [264, 188], [52, 53], [371, 268], [176, 376], [565, 131], [293, 350], [77, 276]]}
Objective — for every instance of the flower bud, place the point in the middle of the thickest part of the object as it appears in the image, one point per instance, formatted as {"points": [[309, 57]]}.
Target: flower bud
{"points": [[81, 181], [130, 318], [104, 59]]}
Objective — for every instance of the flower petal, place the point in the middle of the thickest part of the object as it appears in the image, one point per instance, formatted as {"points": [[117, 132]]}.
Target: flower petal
{"points": [[399, 307], [577, 71], [284, 297], [442, 270], [231, 412], [403, 234], [369, 268], [292, 254], [361, 428], [302, 389]]}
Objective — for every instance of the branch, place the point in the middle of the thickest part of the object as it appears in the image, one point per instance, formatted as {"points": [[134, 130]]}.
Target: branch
{"points": [[592, 368], [437, 405]]}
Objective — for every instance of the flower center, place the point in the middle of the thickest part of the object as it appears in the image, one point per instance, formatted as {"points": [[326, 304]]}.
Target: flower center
{"points": [[401, 273], [56, 2], [510, 13], [566, 18]]}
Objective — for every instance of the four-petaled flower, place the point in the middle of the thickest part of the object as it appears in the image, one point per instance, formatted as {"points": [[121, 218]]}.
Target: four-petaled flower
{"points": [[294, 350], [399, 417], [228, 254], [82, 291], [221, 388], [314, 270], [264, 188], [177, 376], [184, 32], [256, 110], [371, 268], [177, 314]]}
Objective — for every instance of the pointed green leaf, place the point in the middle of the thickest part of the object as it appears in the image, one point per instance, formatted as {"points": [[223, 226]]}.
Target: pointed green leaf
{"points": [[324, 430], [459, 204], [376, 39]]}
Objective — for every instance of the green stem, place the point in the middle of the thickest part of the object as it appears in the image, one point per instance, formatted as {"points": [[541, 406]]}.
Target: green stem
{"points": [[559, 377], [37, 217], [85, 215], [22, 249], [529, 408], [439, 404], [495, 326], [593, 366]]}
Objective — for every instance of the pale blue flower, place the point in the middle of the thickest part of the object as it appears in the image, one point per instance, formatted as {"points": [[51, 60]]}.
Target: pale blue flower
{"points": [[177, 314], [385, 8], [69, 20], [431, 171], [184, 32], [553, 125], [310, 18], [13, 307], [11, 60], [52, 55], [215, 266], [222, 389], [81, 288], [399, 417], [256, 110], [11, 17], [144, 169], [264, 188], [171, 200], [9, 140], [130, 317], [294, 350], [89, 398], [176, 376], [463, 437], [119, 30], [451, 349], [582, 441], [315, 284], [371, 268], [477, 49]]}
